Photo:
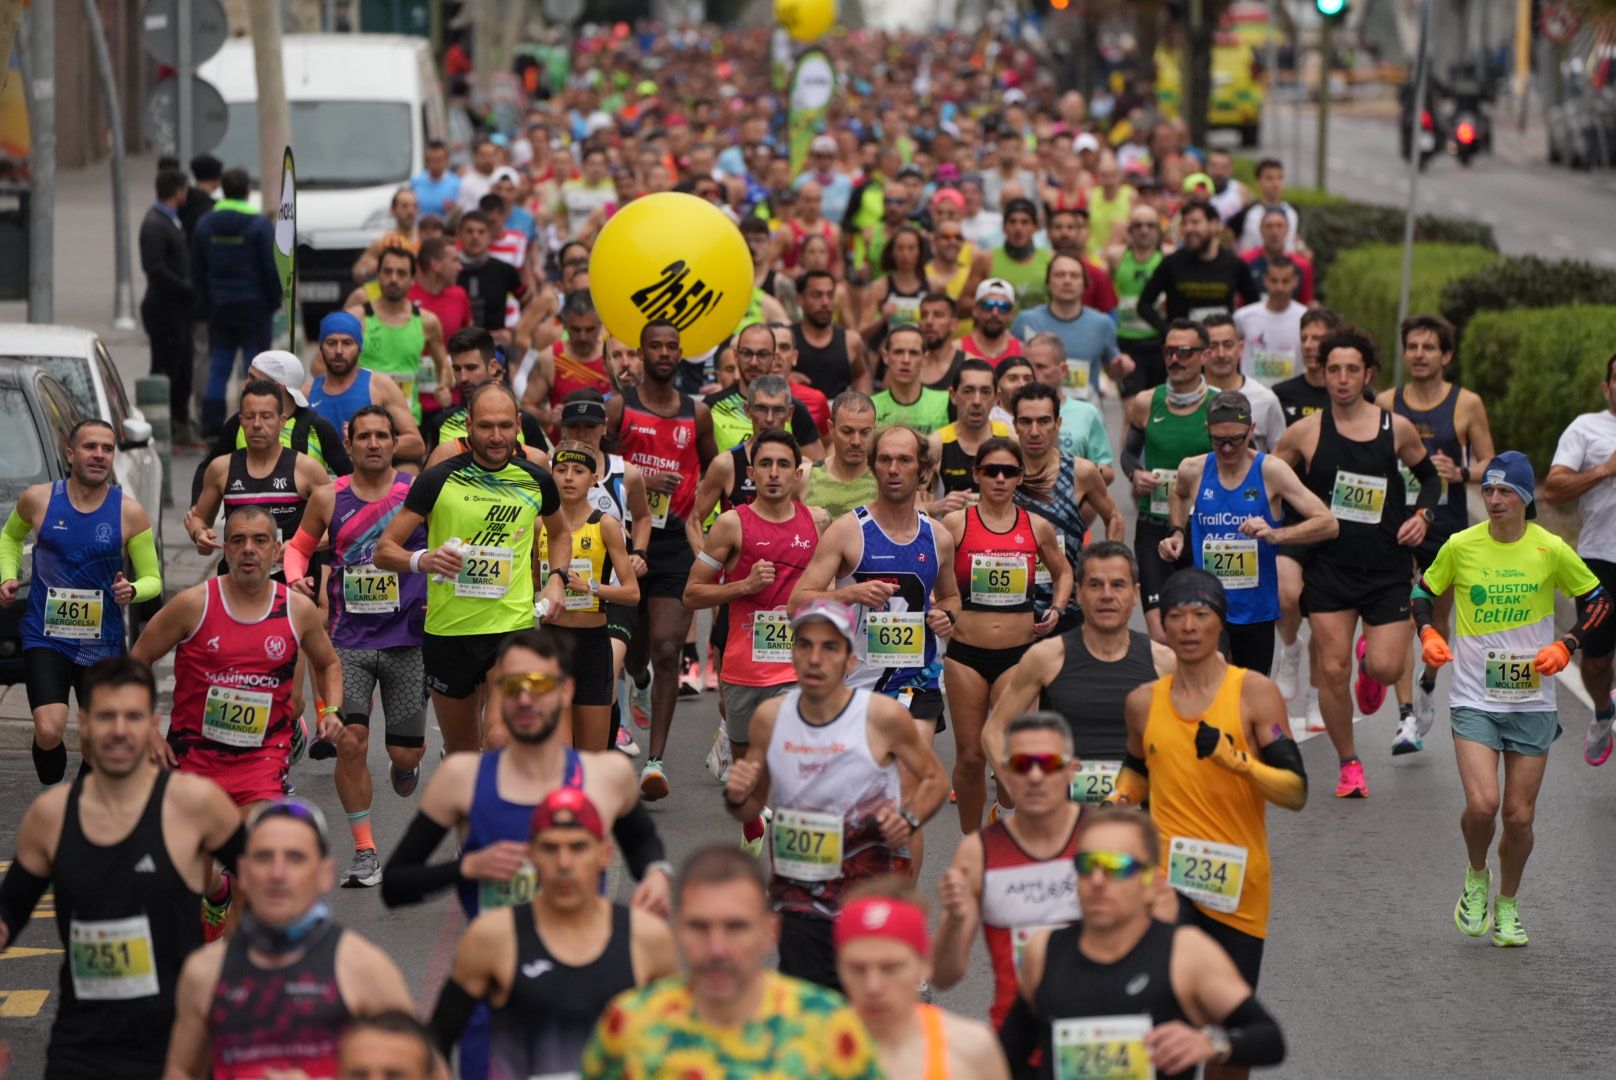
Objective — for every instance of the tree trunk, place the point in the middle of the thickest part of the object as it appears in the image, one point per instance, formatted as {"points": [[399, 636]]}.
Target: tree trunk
{"points": [[10, 20]]}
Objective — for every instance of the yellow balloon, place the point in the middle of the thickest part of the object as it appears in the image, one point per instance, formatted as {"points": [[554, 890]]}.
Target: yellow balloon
{"points": [[676, 257], [805, 20]]}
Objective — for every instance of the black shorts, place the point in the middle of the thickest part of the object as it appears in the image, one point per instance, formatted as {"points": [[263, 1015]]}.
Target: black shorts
{"points": [[718, 634], [669, 559], [49, 675], [1250, 645], [1379, 595], [1150, 367], [591, 663], [988, 663], [1600, 641], [621, 621], [1153, 569], [922, 705], [808, 950], [1246, 951], [457, 665]]}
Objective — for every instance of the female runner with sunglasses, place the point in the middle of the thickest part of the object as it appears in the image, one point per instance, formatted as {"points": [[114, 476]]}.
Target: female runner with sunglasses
{"points": [[997, 549]]}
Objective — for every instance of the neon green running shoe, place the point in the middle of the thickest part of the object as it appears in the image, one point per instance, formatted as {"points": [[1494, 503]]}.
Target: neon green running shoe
{"points": [[1471, 914], [1508, 933]]}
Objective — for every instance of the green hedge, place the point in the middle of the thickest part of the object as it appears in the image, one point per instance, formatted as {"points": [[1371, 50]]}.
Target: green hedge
{"points": [[1364, 282], [1333, 228], [1537, 369], [1526, 282]]}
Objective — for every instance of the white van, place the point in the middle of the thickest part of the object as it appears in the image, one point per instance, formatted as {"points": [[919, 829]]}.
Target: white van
{"points": [[362, 108]]}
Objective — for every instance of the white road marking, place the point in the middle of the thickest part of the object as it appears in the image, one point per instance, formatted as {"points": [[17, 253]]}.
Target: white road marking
{"points": [[1574, 685]]}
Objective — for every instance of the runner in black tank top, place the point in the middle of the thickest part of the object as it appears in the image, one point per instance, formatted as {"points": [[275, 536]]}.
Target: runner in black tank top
{"points": [[828, 368], [553, 1007], [1091, 692], [276, 493], [742, 490], [288, 1017], [118, 894]]}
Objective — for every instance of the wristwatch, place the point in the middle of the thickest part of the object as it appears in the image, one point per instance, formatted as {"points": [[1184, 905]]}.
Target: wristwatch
{"points": [[1219, 1038], [1428, 514], [661, 864], [910, 820]]}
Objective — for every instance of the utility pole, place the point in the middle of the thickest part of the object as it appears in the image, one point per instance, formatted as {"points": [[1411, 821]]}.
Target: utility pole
{"points": [[1422, 76], [1326, 54], [274, 119], [123, 305], [41, 88], [484, 43]]}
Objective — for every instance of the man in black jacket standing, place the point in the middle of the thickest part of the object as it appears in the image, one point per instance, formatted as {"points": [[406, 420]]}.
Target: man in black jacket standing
{"points": [[166, 309]]}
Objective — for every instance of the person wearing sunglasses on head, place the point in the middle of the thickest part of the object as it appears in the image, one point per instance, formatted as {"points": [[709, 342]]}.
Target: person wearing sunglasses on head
{"points": [[998, 547], [1165, 425], [488, 801], [1208, 749], [1226, 515], [990, 339], [1124, 987], [227, 1022]]}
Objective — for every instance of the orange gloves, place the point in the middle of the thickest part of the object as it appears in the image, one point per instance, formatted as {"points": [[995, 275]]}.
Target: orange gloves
{"points": [[1434, 649], [1552, 659]]}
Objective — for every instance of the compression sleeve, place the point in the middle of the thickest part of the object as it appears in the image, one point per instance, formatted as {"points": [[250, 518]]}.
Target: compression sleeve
{"points": [[450, 1015], [19, 892], [408, 879], [637, 838], [148, 572], [1423, 602], [296, 557], [229, 853], [11, 540], [1595, 608], [1133, 450], [1430, 484], [1254, 1035], [1278, 777]]}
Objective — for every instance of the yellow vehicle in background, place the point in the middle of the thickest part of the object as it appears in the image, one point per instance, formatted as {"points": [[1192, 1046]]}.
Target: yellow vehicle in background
{"points": [[1239, 85]]}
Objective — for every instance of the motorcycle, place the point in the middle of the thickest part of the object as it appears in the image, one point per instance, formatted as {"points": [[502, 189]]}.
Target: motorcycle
{"points": [[1429, 144], [1471, 134]]}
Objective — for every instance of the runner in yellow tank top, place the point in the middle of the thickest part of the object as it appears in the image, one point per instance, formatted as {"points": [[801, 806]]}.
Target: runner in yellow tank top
{"points": [[1210, 746]]}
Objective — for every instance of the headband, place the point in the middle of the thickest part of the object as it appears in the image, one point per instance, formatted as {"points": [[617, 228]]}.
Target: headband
{"points": [[576, 457], [1228, 414], [879, 917], [1194, 588], [340, 322]]}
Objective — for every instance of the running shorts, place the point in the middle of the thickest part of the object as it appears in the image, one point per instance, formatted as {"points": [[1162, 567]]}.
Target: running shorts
{"points": [[621, 621], [458, 664], [1153, 569], [740, 702], [1528, 733], [591, 663], [1380, 595], [1245, 950], [808, 950], [670, 559], [49, 675], [988, 663], [402, 677], [246, 778]]}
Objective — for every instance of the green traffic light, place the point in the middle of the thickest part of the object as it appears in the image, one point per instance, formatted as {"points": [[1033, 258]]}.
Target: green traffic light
{"points": [[1331, 8]]}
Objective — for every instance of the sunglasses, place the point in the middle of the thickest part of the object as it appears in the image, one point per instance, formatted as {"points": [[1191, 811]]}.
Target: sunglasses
{"points": [[1183, 352], [999, 470], [1230, 441], [1048, 764], [1003, 307], [536, 683], [950, 236], [1115, 865]]}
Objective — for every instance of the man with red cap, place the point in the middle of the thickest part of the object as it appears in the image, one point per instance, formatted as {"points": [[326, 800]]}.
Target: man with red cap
{"points": [[883, 953], [549, 967]]}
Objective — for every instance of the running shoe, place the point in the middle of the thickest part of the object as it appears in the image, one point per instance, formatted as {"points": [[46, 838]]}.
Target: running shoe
{"points": [[1315, 718], [1508, 933], [1352, 785], [1408, 736], [640, 706], [403, 780], [1424, 708], [365, 872], [1597, 743], [1471, 915], [300, 739], [690, 678], [1370, 694], [626, 743], [322, 750], [753, 844], [214, 915], [653, 781], [1288, 669]]}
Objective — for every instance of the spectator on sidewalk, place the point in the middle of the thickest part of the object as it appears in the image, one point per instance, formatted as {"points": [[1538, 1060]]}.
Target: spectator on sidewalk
{"points": [[166, 309], [206, 171], [233, 271]]}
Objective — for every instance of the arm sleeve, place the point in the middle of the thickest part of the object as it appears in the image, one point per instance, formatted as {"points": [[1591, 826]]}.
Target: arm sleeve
{"points": [[408, 878], [19, 892], [449, 1016], [297, 555], [230, 853], [1430, 483], [148, 573], [12, 539], [637, 837], [1423, 602], [1594, 611], [1133, 450], [1254, 1035], [332, 448]]}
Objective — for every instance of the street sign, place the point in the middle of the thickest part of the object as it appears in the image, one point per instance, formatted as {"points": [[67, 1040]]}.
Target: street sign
{"points": [[159, 117], [159, 30], [1559, 22]]}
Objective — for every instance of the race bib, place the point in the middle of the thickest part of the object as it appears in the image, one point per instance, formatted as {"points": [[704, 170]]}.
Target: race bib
{"points": [[1094, 781], [895, 639], [807, 846], [1359, 498], [1042, 578], [1232, 560], [1078, 373], [1508, 675], [369, 591], [236, 717], [1102, 1048], [1411, 487], [111, 959], [772, 637], [579, 571], [1020, 935], [426, 376], [73, 613], [659, 502], [485, 571], [1210, 874], [520, 888], [998, 581], [1161, 495], [1272, 367]]}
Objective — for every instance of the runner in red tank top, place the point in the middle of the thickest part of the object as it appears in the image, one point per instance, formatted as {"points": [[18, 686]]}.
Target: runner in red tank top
{"points": [[578, 361]]}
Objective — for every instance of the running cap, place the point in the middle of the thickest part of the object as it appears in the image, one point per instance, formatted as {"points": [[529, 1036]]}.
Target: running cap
{"points": [[1085, 141], [1511, 469], [823, 144], [577, 455], [298, 810], [995, 288], [1229, 407], [1192, 587], [284, 368], [881, 917], [1195, 180], [1021, 206], [342, 322], [950, 196], [567, 808], [838, 614], [582, 411], [505, 172]]}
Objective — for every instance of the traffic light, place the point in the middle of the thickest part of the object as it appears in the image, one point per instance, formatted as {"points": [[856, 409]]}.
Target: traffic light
{"points": [[1334, 10]]}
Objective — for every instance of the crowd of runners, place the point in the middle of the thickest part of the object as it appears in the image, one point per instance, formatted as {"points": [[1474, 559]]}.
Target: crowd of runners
{"points": [[892, 487]]}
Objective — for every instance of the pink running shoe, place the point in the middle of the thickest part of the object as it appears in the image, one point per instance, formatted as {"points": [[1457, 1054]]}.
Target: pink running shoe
{"points": [[1352, 785], [1370, 694]]}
